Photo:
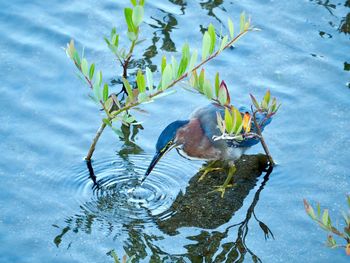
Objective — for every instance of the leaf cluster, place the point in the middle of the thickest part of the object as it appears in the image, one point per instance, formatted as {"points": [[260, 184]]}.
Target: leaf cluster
{"points": [[266, 105], [323, 219], [173, 70]]}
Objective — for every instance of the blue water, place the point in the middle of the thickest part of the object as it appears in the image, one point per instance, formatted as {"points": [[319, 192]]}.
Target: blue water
{"points": [[48, 121]]}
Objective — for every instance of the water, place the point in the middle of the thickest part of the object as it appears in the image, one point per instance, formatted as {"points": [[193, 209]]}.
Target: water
{"points": [[51, 210]]}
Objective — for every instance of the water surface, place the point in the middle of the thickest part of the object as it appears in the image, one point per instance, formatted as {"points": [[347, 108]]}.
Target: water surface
{"points": [[51, 211]]}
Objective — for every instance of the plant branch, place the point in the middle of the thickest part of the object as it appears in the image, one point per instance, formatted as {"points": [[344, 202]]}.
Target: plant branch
{"points": [[264, 145], [174, 82], [183, 76], [94, 142], [125, 64]]}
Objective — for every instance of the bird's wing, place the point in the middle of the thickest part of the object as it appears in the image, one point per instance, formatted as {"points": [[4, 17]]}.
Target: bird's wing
{"points": [[208, 119]]}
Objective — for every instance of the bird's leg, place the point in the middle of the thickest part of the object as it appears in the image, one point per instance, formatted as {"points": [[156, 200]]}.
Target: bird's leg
{"points": [[222, 188], [208, 169]]}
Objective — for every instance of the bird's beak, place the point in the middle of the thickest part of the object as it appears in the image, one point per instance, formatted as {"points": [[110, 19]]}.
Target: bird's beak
{"points": [[156, 159]]}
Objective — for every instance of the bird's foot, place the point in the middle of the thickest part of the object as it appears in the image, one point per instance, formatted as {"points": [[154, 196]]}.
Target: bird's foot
{"points": [[221, 189], [207, 170]]}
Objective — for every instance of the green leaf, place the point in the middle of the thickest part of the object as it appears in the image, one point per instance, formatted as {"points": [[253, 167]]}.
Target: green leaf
{"points": [[99, 78], [70, 49], [174, 66], [267, 97], [194, 80], [128, 89], [223, 42], [142, 2], [76, 58], [107, 41], [84, 67], [105, 92], [255, 102], [224, 96], [201, 80], [237, 121], [131, 36], [91, 71], [115, 40], [186, 51], [193, 60], [279, 105], [140, 80], [97, 91], [273, 105], [163, 65], [318, 210], [228, 121], [137, 15], [242, 22], [230, 27], [130, 119], [182, 66], [167, 76], [264, 105], [107, 121], [133, 2], [113, 31], [325, 217], [217, 84], [211, 31], [128, 18], [206, 45], [109, 103], [309, 210], [331, 241], [149, 77], [208, 91]]}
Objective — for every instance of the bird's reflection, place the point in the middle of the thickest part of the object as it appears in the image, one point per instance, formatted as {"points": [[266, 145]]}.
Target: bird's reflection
{"points": [[210, 246], [197, 207]]}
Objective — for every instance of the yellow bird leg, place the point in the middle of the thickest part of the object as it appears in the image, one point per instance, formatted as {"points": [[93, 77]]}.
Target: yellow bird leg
{"points": [[208, 169], [222, 188]]}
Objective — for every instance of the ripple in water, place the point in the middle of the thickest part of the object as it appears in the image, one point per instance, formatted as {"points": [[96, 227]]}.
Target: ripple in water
{"points": [[118, 195]]}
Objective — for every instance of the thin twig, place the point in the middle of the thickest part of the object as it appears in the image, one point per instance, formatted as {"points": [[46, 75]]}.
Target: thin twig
{"points": [[183, 76], [264, 145], [94, 142]]}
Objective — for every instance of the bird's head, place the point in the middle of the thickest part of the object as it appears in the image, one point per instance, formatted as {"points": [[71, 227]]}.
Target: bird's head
{"points": [[166, 141]]}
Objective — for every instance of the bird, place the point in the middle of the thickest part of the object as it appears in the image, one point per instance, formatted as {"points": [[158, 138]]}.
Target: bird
{"points": [[194, 139]]}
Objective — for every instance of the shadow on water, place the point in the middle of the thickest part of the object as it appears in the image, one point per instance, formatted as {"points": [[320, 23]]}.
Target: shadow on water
{"points": [[343, 27], [210, 5], [197, 207]]}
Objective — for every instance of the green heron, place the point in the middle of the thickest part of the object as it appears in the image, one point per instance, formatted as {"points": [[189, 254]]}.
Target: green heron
{"points": [[193, 139]]}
